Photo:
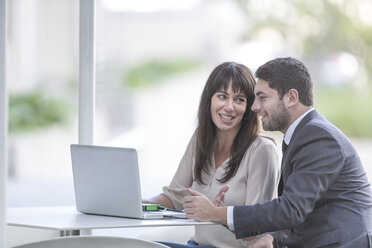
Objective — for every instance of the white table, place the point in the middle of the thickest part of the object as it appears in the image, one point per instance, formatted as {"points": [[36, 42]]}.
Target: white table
{"points": [[68, 221]]}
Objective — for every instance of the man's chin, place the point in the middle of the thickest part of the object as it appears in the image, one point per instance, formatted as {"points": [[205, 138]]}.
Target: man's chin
{"points": [[267, 127]]}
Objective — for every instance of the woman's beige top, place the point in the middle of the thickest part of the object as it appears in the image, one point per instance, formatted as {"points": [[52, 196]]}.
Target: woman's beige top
{"points": [[255, 181]]}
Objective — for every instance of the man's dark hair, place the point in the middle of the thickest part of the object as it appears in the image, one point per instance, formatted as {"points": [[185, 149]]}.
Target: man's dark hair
{"points": [[284, 74]]}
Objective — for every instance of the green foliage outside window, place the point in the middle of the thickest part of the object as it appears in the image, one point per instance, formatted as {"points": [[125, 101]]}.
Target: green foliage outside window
{"points": [[154, 71], [34, 110], [348, 108]]}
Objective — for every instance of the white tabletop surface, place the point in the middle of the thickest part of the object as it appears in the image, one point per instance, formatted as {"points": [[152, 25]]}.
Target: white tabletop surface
{"points": [[68, 218]]}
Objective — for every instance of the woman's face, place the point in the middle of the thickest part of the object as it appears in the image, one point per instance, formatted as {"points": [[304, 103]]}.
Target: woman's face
{"points": [[227, 109]]}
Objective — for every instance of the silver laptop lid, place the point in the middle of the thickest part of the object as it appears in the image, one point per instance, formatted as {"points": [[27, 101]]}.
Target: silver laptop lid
{"points": [[106, 180]]}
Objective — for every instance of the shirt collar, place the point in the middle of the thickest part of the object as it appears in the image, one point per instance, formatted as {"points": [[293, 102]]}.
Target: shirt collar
{"points": [[288, 135]]}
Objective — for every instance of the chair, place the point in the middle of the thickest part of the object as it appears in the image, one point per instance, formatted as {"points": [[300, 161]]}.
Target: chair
{"points": [[92, 242]]}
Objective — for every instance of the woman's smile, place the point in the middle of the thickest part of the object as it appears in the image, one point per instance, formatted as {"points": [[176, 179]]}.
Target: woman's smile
{"points": [[226, 117]]}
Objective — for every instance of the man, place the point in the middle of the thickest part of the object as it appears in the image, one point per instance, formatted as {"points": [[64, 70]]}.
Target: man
{"points": [[324, 199]]}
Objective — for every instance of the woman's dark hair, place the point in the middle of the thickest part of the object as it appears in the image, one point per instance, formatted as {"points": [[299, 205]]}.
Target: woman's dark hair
{"points": [[242, 81]]}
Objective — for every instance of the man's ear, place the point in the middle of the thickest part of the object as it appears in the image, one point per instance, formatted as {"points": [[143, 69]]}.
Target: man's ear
{"points": [[292, 97]]}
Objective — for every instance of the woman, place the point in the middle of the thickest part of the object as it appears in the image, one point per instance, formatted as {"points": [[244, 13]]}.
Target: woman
{"points": [[225, 150]]}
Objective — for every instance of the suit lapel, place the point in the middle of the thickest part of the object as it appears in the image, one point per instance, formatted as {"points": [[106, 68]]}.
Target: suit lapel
{"points": [[285, 167]]}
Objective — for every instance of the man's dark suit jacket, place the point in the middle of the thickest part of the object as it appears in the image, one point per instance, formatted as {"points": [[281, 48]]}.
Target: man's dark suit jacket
{"points": [[326, 200]]}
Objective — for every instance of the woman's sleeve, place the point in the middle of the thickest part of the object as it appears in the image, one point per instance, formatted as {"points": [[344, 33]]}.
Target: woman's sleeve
{"points": [[263, 173], [182, 179]]}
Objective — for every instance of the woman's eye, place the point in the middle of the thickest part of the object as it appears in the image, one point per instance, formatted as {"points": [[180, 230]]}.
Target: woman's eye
{"points": [[240, 100], [221, 96]]}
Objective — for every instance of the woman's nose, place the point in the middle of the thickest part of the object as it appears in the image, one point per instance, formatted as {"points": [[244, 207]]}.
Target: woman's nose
{"points": [[229, 105]]}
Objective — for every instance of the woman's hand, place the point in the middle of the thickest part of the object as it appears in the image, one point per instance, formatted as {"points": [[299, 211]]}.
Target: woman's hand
{"points": [[219, 200], [161, 200]]}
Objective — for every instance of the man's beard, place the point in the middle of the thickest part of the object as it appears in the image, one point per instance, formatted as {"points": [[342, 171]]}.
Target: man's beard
{"points": [[278, 120]]}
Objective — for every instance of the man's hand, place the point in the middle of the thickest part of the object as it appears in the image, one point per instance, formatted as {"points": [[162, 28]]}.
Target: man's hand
{"points": [[198, 207], [265, 241], [220, 197]]}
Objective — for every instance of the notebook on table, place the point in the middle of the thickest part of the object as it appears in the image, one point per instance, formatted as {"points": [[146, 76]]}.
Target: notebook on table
{"points": [[107, 182]]}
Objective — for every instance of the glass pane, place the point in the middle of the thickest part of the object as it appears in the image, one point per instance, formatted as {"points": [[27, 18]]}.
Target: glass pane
{"points": [[42, 76]]}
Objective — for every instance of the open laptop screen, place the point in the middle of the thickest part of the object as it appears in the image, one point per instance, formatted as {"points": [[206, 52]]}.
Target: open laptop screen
{"points": [[106, 180]]}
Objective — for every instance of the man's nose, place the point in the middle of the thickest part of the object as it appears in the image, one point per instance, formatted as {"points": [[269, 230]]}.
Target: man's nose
{"points": [[255, 106]]}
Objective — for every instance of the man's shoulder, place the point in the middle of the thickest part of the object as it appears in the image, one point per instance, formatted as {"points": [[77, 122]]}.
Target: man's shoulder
{"points": [[318, 132], [319, 125], [328, 128]]}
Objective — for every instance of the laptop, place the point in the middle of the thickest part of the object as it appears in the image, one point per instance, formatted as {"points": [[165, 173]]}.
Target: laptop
{"points": [[107, 182]]}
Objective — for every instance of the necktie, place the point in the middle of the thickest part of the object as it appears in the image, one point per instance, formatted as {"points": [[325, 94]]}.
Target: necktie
{"points": [[284, 147], [281, 183]]}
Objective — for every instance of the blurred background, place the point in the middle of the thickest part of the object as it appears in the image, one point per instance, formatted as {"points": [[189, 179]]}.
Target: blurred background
{"points": [[152, 61]]}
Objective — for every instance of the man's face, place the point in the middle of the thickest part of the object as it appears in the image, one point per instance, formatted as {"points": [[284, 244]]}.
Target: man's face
{"points": [[274, 114]]}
